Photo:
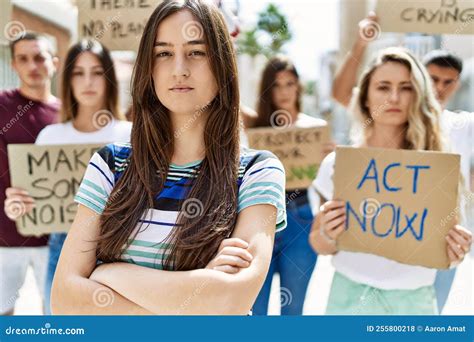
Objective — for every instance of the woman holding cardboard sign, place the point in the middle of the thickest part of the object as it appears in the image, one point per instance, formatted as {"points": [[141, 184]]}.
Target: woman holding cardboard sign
{"points": [[158, 213], [279, 106], [397, 109]]}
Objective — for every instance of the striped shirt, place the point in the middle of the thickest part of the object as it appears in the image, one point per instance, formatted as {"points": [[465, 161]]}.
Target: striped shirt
{"points": [[261, 180]]}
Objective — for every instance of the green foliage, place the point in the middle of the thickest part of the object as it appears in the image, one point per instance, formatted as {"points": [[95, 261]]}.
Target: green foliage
{"points": [[269, 35]]}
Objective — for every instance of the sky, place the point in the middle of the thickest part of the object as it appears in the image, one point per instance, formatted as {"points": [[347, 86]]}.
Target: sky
{"points": [[314, 24]]}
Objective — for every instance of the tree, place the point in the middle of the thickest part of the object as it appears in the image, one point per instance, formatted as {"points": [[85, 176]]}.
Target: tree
{"points": [[268, 36]]}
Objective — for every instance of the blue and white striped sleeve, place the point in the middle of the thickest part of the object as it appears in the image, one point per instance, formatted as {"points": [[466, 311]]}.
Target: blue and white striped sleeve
{"points": [[98, 182], [264, 183]]}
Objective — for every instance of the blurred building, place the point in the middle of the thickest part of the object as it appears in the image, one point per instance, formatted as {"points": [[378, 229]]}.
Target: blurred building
{"points": [[52, 19], [58, 21]]}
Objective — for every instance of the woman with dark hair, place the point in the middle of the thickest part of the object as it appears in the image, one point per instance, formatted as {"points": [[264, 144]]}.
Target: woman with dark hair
{"points": [[279, 105], [89, 114], [157, 213]]}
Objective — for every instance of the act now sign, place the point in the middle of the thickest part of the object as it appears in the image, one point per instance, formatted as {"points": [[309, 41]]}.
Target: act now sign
{"points": [[399, 203], [299, 149]]}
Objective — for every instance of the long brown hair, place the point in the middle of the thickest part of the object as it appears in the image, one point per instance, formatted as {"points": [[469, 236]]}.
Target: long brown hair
{"points": [[69, 102], [265, 104], [195, 238]]}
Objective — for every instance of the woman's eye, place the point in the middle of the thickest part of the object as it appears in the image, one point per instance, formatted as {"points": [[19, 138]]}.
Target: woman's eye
{"points": [[162, 54], [407, 88], [197, 53], [383, 88], [98, 73], [77, 73]]}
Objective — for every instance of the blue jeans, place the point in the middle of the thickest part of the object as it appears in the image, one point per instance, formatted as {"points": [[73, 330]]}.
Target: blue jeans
{"points": [[55, 243], [443, 282], [294, 259]]}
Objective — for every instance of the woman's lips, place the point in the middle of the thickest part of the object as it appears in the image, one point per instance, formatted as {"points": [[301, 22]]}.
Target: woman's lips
{"points": [[181, 89]]}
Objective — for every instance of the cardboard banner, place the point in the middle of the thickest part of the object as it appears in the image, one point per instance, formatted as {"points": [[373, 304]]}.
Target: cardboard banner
{"points": [[400, 204], [52, 175], [116, 24], [10, 28], [299, 149], [426, 16]]}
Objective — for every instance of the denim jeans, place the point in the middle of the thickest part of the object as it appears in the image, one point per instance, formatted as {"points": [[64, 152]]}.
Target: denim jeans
{"points": [[55, 244], [294, 259], [443, 282]]}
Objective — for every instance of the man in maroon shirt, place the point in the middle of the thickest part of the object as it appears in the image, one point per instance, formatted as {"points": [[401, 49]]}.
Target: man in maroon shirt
{"points": [[23, 114]]}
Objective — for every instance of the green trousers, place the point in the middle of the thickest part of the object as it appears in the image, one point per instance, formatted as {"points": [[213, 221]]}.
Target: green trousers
{"points": [[351, 298]]}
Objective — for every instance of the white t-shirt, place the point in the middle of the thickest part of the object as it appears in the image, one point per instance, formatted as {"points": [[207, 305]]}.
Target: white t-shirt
{"points": [[458, 128], [65, 133], [364, 268], [305, 121]]}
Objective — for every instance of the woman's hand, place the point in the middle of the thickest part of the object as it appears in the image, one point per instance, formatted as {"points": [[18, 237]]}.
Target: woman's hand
{"points": [[328, 148], [231, 256], [18, 202], [98, 273], [459, 244], [369, 29], [333, 217]]}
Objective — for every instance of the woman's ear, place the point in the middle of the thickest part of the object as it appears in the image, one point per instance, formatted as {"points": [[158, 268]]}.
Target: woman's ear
{"points": [[56, 63]]}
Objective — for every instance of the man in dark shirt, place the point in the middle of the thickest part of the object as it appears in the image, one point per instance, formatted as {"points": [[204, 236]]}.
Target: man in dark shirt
{"points": [[24, 112]]}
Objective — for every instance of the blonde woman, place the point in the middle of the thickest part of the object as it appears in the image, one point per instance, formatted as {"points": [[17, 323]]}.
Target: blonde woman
{"points": [[397, 107]]}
